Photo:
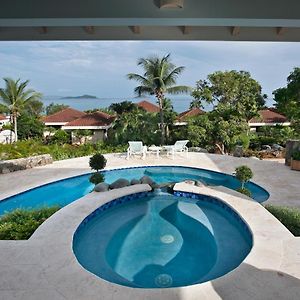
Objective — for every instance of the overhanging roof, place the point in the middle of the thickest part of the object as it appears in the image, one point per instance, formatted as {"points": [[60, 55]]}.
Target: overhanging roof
{"points": [[265, 20]]}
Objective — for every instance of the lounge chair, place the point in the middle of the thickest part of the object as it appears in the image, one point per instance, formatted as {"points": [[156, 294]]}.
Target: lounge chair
{"points": [[136, 147], [178, 147]]}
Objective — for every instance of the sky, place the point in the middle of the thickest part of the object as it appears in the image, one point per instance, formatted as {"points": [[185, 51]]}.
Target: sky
{"points": [[99, 68]]}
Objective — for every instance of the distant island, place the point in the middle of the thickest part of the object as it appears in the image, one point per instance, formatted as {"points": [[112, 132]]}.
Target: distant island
{"points": [[80, 97]]}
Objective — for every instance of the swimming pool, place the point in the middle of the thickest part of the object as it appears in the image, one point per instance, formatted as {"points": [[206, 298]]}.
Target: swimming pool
{"points": [[65, 191], [158, 240]]}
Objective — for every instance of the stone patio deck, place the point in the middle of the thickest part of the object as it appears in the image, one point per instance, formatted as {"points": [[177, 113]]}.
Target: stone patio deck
{"points": [[44, 267]]}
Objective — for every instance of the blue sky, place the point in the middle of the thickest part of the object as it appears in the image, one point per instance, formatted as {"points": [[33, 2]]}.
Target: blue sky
{"points": [[100, 68]]}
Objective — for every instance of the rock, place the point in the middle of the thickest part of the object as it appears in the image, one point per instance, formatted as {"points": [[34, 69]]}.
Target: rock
{"points": [[238, 151], [7, 166], [135, 181], [266, 147], [200, 183], [120, 183], [277, 147], [101, 187], [147, 180]]}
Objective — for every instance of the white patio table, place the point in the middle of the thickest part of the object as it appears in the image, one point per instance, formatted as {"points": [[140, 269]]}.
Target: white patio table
{"points": [[155, 150]]}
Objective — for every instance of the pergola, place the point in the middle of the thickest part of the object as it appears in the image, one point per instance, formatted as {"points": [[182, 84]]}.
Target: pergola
{"points": [[231, 20]]}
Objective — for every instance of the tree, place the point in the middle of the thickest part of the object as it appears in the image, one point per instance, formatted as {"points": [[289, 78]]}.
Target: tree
{"points": [[236, 89], [16, 95], [123, 107], [29, 127], [288, 98], [53, 108], [34, 108], [217, 130], [159, 78], [97, 162]]}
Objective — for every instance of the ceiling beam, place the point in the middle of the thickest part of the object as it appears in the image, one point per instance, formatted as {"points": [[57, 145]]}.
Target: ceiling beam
{"points": [[135, 29], [281, 30], [43, 30], [235, 30], [89, 29], [186, 29]]}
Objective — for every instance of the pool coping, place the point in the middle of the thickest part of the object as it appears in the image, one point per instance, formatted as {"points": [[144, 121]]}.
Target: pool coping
{"points": [[57, 270]]}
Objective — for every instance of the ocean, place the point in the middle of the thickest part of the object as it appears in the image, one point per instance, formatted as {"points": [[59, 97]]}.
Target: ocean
{"points": [[180, 104]]}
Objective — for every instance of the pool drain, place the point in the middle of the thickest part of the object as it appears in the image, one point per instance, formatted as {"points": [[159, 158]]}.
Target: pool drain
{"points": [[167, 239], [163, 280]]}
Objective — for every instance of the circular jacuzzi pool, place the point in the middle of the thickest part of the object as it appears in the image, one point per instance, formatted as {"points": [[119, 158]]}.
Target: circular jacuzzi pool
{"points": [[159, 240]]}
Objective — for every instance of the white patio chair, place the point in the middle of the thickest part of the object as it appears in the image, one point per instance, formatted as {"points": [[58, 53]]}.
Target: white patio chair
{"points": [[136, 148], [178, 147]]}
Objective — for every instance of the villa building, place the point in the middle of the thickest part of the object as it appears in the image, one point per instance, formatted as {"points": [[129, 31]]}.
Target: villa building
{"points": [[71, 120], [148, 106], [268, 117], [182, 117], [4, 120]]}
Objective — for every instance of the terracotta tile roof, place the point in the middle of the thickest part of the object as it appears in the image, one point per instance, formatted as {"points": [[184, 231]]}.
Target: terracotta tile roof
{"points": [[148, 106], [2, 117], [269, 116], [190, 113], [94, 119], [63, 116]]}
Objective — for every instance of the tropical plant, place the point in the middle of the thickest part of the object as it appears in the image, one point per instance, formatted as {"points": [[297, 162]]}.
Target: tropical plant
{"points": [[53, 108], [60, 137], [29, 127], [97, 162], [123, 107], [244, 191], [296, 155], [159, 78], [20, 224], [243, 174], [16, 95]]}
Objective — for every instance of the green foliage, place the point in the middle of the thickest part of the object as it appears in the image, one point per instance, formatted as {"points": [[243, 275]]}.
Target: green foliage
{"points": [[34, 108], [139, 125], [236, 89], [296, 155], [82, 132], [97, 162], [20, 224], [60, 137], [123, 107], [29, 127], [244, 140], [244, 191], [53, 108], [159, 78], [288, 98], [28, 148], [4, 109], [7, 127], [97, 178], [218, 129], [289, 217], [243, 174]]}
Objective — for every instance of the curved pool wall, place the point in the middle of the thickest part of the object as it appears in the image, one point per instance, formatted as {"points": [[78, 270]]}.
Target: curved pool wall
{"points": [[149, 240], [65, 191]]}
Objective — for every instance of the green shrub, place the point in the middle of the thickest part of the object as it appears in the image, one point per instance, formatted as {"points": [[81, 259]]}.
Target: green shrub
{"points": [[296, 155], [244, 191], [243, 174], [20, 224], [60, 137], [97, 162], [97, 178], [289, 217], [244, 140]]}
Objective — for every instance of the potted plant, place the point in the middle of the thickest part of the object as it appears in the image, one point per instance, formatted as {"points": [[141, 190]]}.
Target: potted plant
{"points": [[295, 161], [97, 162]]}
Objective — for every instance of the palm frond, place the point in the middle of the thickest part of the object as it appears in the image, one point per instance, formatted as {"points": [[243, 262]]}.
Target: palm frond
{"points": [[179, 89]]}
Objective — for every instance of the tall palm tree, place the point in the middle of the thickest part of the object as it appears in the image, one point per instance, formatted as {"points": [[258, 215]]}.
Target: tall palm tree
{"points": [[159, 78], [16, 96]]}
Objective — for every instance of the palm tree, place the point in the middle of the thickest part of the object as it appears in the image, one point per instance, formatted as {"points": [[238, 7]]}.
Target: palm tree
{"points": [[16, 96], [158, 79]]}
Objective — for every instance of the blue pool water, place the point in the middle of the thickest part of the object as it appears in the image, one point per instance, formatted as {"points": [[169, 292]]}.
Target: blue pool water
{"points": [[161, 240], [66, 191]]}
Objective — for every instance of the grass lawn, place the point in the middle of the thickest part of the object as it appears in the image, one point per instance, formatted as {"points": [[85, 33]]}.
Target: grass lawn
{"points": [[289, 217]]}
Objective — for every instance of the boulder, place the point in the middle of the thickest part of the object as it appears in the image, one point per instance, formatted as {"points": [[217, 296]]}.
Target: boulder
{"points": [[101, 187], [238, 151], [135, 181], [120, 183], [147, 180]]}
